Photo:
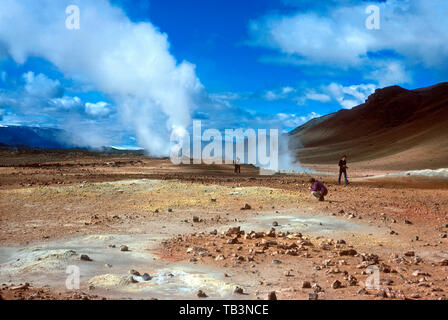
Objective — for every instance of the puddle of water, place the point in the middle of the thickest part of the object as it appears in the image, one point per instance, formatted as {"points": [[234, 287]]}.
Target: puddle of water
{"points": [[175, 282], [134, 182], [46, 264], [302, 224]]}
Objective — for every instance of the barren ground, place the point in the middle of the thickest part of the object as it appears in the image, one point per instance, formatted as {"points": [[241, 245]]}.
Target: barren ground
{"points": [[54, 207]]}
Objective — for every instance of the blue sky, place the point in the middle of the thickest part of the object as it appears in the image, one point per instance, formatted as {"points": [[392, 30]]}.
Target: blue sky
{"points": [[137, 71]]}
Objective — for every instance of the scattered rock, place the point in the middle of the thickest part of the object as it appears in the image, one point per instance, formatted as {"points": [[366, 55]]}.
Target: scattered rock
{"points": [[238, 290], [232, 241], [275, 224], [336, 284], [246, 207], [21, 287], [312, 296], [124, 248], [443, 262], [233, 230], [316, 288], [409, 253], [306, 285], [85, 257], [128, 280], [406, 221], [196, 219], [201, 294], [134, 272], [272, 296], [417, 273], [146, 277], [362, 291], [348, 252]]}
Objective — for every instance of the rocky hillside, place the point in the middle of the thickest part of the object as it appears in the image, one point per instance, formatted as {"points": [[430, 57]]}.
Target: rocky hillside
{"points": [[395, 128]]}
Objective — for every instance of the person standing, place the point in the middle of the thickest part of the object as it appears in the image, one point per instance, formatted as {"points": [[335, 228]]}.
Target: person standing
{"points": [[237, 166], [318, 189], [343, 169]]}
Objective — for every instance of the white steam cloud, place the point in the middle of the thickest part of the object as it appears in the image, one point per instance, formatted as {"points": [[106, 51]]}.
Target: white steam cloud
{"points": [[129, 62]]}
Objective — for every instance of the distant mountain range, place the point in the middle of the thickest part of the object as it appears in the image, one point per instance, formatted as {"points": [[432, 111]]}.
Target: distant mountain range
{"points": [[23, 137], [33, 137], [395, 129]]}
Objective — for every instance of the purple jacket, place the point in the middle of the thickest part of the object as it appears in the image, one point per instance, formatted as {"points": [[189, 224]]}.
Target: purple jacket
{"points": [[319, 186]]}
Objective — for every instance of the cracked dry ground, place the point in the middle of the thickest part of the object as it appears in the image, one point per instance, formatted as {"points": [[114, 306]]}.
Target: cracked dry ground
{"points": [[397, 224]]}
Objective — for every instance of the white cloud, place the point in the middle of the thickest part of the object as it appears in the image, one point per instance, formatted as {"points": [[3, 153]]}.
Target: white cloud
{"points": [[271, 95], [346, 96], [227, 96], [292, 120], [349, 96], [314, 96], [279, 94], [389, 73], [414, 30], [98, 109], [41, 85]]}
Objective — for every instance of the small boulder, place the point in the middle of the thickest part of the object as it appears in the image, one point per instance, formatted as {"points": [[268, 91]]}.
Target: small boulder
{"points": [[85, 257], [312, 296], [146, 277], [348, 252], [201, 294], [306, 285], [272, 296], [134, 272], [336, 284], [238, 290]]}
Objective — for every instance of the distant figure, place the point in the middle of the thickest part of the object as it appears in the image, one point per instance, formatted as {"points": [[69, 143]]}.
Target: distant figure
{"points": [[343, 169], [237, 165], [318, 189]]}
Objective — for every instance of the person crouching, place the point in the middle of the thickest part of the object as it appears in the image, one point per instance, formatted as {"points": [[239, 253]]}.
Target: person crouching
{"points": [[318, 189]]}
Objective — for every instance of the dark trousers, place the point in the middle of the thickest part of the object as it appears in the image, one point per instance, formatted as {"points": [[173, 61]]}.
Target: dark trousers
{"points": [[345, 176], [237, 168]]}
